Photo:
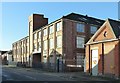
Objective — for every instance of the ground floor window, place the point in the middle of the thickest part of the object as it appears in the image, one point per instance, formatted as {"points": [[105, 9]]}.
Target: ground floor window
{"points": [[80, 59]]}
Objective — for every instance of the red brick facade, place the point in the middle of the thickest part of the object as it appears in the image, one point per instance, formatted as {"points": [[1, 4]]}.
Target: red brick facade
{"points": [[108, 51]]}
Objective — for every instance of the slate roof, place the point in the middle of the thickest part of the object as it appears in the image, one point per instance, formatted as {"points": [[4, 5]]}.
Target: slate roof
{"points": [[115, 26], [86, 19], [81, 18]]}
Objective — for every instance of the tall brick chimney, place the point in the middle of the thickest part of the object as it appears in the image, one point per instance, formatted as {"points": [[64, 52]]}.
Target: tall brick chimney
{"points": [[39, 21]]}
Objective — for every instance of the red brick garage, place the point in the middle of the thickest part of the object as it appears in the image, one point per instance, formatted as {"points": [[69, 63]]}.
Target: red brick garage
{"points": [[103, 50]]}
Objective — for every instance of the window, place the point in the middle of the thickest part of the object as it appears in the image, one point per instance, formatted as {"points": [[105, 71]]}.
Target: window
{"points": [[39, 34], [45, 32], [80, 59], [39, 46], [93, 29], [51, 29], [80, 42], [17, 51], [27, 49], [51, 43], [58, 26], [27, 40], [34, 36], [45, 45], [34, 47], [59, 41], [80, 27], [24, 49]]}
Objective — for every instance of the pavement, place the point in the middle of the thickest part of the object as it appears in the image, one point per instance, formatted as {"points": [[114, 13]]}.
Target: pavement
{"points": [[78, 76]]}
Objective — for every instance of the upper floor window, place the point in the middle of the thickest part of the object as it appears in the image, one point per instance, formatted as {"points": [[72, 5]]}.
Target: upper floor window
{"points": [[27, 49], [45, 32], [51, 43], [34, 47], [80, 27], [51, 29], [80, 42], [39, 34], [59, 41], [93, 29], [39, 46], [27, 40], [45, 45], [34, 36], [58, 26]]}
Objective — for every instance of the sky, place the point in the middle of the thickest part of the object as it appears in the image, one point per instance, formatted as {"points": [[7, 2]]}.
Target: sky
{"points": [[15, 15]]}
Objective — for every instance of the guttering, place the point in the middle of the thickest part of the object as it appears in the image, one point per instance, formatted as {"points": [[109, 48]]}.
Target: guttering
{"points": [[103, 41]]}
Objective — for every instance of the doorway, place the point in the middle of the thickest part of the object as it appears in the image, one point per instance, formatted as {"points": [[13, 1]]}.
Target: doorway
{"points": [[95, 62]]}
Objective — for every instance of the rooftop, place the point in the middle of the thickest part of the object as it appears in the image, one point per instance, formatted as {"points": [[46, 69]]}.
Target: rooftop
{"points": [[115, 26], [86, 19], [81, 18]]}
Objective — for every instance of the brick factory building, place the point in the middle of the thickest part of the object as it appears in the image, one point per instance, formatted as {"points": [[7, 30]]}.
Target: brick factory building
{"points": [[57, 45]]}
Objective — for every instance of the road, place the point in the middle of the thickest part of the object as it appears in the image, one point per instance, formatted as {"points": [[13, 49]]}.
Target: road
{"points": [[21, 74], [26, 74]]}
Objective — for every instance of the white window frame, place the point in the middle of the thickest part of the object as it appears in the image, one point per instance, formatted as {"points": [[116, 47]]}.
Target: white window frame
{"points": [[58, 26], [51, 43], [92, 31], [45, 45], [34, 36], [59, 41], [39, 34], [39, 46], [80, 27], [51, 29], [78, 39], [34, 47], [80, 59], [45, 32]]}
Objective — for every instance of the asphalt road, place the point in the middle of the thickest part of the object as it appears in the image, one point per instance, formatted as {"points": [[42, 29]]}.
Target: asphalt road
{"points": [[21, 74], [26, 74]]}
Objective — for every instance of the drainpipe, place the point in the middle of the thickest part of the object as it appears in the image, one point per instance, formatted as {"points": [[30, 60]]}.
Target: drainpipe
{"points": [[89, 61], [119, 59], [102, 58]]}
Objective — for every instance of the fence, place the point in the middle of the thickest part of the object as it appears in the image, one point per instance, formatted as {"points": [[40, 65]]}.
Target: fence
{"points": [[56, 67], [59, 66]]}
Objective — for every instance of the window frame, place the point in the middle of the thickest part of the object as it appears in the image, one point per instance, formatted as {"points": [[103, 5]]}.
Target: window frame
{"points": [[39, 34], [78, 28], [34, 36], [45, 45], [39, 46], [77, 42], [45, 32], [51, 29], [58, 45], [91, 29], [34, 47], [51, 43], [59, 26]]}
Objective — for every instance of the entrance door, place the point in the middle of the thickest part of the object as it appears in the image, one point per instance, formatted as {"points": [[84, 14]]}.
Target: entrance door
{"points": [[94, 62]]}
